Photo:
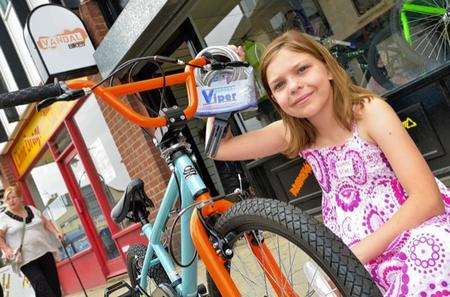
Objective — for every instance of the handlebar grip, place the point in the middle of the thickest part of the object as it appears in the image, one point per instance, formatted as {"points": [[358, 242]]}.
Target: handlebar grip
{"points": [[30, 95]]}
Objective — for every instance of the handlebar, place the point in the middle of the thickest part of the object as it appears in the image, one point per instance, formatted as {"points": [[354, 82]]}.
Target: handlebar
{"points": [[30, 95], [78, 88]]}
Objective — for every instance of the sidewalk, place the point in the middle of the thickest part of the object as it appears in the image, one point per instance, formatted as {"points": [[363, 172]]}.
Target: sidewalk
{"points": [[99, 291]]}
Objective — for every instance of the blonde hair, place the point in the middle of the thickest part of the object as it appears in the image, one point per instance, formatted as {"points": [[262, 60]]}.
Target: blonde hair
{"points": [[11, 189], [345, 94]]}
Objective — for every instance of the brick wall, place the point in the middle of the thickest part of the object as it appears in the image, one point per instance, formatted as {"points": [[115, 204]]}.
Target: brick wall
{"points": [[93, 19], [7, 176]]}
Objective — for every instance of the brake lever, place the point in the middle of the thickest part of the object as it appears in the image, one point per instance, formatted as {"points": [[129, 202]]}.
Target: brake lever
{"points": [[68, 95], [45, 103]]}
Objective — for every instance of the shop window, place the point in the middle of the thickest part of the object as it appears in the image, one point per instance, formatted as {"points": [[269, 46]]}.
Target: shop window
{"points": [[103, 150], [377, 50], [61, 141], [51, 196], [92, 206]]}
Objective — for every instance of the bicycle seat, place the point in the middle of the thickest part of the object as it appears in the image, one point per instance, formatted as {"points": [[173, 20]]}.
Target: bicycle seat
{"points": [[133, 201]]}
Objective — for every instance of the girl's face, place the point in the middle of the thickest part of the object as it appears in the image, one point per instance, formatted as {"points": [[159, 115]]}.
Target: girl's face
{"points": [[13, 201], [299, 83]]}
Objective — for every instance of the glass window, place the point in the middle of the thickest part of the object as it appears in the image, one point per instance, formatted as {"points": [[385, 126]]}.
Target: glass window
{"points": [[51, 196], [62, 140], [103, 151], [377, 49], [95, 213]]}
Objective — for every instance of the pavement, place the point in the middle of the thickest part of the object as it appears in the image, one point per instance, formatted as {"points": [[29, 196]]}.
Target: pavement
{"points": [[246, 270]]}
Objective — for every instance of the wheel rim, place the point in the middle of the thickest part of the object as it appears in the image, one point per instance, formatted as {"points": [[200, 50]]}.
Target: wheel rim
{"points": [[425, 27], [302, 272]]}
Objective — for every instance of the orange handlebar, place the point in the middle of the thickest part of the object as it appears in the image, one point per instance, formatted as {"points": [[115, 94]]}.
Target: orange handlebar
{"points": [[110, 94]]}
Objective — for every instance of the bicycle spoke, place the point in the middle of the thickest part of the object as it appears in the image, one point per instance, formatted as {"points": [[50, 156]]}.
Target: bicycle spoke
{"points": [[424, 19], [425, 38], [443, 41], [430, 41], [424, 29], [245, 277]]}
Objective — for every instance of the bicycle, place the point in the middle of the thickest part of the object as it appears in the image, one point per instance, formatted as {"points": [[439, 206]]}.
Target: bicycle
{"points": [[216, 229], [421, 28]]}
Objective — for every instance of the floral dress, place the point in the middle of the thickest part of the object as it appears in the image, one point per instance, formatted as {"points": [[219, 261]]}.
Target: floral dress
{"points": [[361, 193]]}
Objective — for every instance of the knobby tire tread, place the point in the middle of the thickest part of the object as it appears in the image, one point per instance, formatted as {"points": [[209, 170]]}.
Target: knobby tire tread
{"points": [[313, 237]]}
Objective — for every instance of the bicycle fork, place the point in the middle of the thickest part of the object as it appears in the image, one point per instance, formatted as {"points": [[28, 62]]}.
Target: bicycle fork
{"points": [[215, 264]]}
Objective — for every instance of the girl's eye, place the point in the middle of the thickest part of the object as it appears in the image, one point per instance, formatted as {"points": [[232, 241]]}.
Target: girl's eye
{"points": [[278, 86], [302, 69]]}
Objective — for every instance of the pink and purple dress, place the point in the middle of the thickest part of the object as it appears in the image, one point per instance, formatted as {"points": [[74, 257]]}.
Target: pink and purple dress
{"points": [[360, 193]]}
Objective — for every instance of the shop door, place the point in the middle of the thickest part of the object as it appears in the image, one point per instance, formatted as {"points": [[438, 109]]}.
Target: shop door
{"points": [[91, 213]]}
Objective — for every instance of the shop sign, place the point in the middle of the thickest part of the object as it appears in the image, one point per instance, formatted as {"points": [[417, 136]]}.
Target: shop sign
{"points": [[13, 284], [38, 131], [59, 43]]}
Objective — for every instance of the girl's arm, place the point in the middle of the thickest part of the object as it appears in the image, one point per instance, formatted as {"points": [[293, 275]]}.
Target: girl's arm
{"points": [[260, 143], [51, 227], [383, 126]]}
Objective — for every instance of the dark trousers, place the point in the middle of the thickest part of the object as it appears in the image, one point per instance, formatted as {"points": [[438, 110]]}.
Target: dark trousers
{"points": [[43, 276]]}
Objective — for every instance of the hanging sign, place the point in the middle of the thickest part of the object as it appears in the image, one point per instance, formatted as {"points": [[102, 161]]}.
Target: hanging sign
{"points": [[38, 131], [59, 43]]}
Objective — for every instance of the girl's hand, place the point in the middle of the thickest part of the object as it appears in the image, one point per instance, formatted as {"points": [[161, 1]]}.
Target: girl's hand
{"points": [[239, 50]]}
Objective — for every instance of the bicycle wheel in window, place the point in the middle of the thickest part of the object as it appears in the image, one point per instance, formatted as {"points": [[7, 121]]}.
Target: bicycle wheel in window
{"points": [[421, 28], [387, 62], [312, 260]]}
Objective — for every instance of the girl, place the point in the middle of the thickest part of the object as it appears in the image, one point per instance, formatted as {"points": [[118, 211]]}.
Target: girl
{"points": [[379, 196]]}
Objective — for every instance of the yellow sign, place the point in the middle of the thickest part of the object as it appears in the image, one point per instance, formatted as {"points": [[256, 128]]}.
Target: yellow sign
{"points": [[38, 131], [408, 123]]}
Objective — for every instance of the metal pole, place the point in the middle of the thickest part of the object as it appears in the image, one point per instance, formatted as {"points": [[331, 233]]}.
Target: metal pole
{"points": [[73, 267]]}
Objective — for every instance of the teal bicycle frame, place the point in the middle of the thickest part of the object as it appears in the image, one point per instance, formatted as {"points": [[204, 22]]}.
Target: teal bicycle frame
{"points": [[417, 8], [184, 177]]}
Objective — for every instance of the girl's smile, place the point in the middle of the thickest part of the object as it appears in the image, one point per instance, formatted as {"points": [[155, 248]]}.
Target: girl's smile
{"points": [[303, 98]]}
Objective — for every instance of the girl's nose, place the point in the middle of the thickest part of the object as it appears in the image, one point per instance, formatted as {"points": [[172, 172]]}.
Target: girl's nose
{"points": [[295, 84]]}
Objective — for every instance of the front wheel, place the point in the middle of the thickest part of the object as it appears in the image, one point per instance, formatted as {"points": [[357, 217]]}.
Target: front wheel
{"points": [[313, 261]]}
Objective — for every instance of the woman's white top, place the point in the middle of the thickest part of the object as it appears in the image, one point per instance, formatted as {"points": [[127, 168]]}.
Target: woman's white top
{"points": [[37, 240]]}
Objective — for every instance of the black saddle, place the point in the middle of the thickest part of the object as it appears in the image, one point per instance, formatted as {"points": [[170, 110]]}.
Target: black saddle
{"points": [[133, 204]]}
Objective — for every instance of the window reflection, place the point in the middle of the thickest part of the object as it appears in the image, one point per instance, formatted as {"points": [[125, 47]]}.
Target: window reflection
{"points": [[50, 196], [95, 213], [103, 151], [378, 50]]}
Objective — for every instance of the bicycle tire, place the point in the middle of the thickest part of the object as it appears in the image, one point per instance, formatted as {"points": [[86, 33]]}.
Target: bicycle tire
{"points": [[378, 73], [305, 232], [413, 55], [135, 259]]}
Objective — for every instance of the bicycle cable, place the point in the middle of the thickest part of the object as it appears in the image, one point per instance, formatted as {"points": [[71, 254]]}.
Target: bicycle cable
{"points": [[145, 58], [172, 228], [182, 211], [216, 53]]}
